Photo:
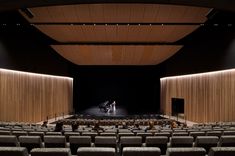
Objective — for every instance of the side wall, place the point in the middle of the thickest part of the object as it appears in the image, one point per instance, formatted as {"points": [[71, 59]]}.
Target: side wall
{"points": [[29, 97], [209, 97]]}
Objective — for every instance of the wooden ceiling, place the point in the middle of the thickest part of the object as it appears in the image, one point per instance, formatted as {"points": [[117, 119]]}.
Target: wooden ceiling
{"points": [[116, 54], [119, 13], [131, 33], [117, 23]]}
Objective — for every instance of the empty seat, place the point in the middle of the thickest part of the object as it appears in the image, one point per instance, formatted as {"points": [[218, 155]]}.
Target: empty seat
{"points": [[54, 141], [227, 141], [214, 133], [125, 134], [79, 141], [41, 134], [91, 134], [13, 151], [108, 134], [5, 132], [195, 134], [8, 140], [19, 133], [193, 151], [130, 141], [105, 141], [144, 135], [181, 141], [229, 133], [96, 151], [222, 151], [50, 152], [157, 141], [180, 134], [206, 142], [167, 134], [124, 131], [68, 134], [141, 151], [53, 133], [30, 142]]}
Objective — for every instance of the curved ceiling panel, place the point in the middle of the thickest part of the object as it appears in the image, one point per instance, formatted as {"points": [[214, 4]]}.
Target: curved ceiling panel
{"points": [[116, 54], [120, 33], [127, 13]]}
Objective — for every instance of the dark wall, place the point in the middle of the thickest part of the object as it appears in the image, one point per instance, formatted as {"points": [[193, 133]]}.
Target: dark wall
{"points": [[136, 88], [24, 48], [209, 48]]}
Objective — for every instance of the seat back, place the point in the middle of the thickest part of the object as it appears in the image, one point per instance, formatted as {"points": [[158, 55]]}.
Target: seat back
{"points": [[41, 134], [195, 134], [181, 141], [214, 133], [50, 152], [206, 142], [222, 151], [227, 141], [96, 151], [141, 151], [193, 151], [229, 133], [30, 142], [68, 134], [79, 141], [8, 141], [19, 133], [53, 133], [54, 141], [105, 141], [157, 141], [5, 132], [13, 151], [180, 134], [144, 135]]}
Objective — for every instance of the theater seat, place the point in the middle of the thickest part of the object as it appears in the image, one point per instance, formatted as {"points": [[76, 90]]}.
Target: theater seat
{"points": [[5, 132], [227, 141], [130, 141], [157, 141], [51, 152], [222, 151], [68, 134], [193, 151], [105, 141], [54, 141], [96, 151], [41, 134], [206, 142], [181, 141], [30, 142], [8, 141], [79, 141], [141, 151], [13, 151]]}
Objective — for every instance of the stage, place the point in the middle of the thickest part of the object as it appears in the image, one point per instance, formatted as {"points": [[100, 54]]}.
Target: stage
{"points": [[95, 111]]}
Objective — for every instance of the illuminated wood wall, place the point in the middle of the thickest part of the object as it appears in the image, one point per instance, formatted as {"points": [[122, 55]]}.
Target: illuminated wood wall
{"points": [[29, 97], [209, 97]]}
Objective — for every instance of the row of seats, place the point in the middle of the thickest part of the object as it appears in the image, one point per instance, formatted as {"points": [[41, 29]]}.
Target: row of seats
{"points": [[75, 142], [127, 151]]}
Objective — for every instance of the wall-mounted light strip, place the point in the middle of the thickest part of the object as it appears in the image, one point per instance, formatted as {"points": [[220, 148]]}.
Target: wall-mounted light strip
{"points": [[199, 74], [34, 74]]}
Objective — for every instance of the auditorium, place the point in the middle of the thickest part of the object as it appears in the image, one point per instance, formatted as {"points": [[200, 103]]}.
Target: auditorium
{"points": [[117, 78]]}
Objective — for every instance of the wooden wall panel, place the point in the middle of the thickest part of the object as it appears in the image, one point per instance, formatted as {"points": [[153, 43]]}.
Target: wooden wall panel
{"points": [[209, 97], [29, 97]]}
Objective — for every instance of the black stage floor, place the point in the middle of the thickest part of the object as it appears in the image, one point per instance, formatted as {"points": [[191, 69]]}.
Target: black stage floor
{"points": [[95, 111]]}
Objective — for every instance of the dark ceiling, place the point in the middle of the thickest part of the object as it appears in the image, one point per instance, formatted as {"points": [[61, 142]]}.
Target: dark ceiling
{"points": [[226, 5]]}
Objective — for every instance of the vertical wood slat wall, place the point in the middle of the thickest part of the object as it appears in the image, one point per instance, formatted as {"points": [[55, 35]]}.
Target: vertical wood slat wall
{"points": [[29, 97], [209, 97]]}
